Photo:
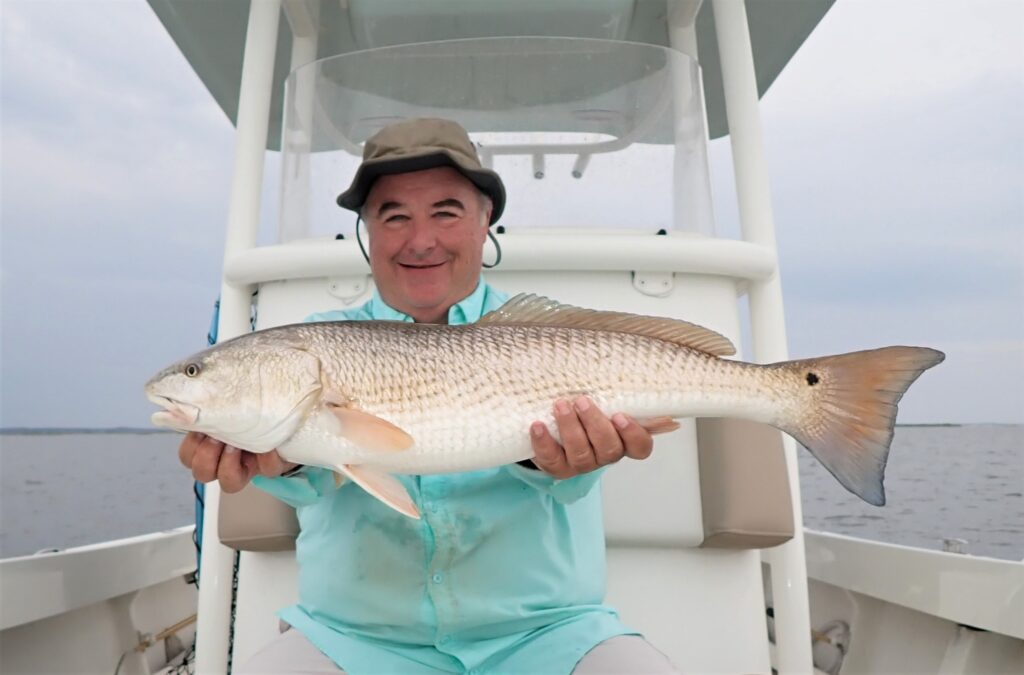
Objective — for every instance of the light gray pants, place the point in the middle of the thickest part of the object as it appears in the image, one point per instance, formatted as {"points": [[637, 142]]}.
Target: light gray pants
{"points": [[292, 654]]}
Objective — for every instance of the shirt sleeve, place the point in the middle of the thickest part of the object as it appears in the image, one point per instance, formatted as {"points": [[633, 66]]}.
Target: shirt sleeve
{"points": [[562, 491], [302, 488]]}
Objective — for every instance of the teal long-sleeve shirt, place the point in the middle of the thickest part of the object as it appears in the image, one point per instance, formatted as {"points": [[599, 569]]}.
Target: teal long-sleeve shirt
{"points": [[504, 573]]}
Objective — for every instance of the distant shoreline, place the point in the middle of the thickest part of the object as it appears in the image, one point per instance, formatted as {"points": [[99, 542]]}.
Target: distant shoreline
{"points": [[63, 431], [951, 424]]}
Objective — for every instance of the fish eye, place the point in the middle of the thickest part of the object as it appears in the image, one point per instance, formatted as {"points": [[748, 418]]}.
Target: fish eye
{"points": [[191, 370]]}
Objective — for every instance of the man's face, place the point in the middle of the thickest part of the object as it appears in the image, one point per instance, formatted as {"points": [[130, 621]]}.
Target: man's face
{"points": [[427, 232]]}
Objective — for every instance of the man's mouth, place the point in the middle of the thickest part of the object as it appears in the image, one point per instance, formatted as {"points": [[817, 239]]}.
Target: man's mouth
{"points": [[422, 266]]}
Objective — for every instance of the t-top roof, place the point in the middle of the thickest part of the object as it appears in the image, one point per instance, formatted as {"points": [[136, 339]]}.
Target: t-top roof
{"points": [[211, 35]]}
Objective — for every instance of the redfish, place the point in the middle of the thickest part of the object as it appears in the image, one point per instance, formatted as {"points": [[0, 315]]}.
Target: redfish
{"points": [[368, 399]]}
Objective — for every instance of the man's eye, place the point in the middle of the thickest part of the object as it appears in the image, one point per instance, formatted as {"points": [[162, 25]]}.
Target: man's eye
{"points": [[396, 219], [445, 214]]}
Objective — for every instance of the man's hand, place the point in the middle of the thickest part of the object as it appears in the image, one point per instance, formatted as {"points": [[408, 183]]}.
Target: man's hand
{"points": [[209, 459], [590, 439]]}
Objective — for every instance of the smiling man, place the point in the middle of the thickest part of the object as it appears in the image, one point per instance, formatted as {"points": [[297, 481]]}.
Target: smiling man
{"points": [[426, 242], [505, 572]]}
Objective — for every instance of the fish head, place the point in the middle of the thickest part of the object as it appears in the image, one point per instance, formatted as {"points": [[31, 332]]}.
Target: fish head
{"points": [[250, 393]]}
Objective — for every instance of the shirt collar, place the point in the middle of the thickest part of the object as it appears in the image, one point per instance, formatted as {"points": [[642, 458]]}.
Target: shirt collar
{"points": [[467, 310]]}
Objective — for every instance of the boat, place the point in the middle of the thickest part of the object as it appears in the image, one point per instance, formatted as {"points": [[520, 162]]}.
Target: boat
{"points": [[706, 554]]}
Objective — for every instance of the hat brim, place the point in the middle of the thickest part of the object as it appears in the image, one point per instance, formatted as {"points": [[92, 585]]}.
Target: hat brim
{"points": [[488, 181]]}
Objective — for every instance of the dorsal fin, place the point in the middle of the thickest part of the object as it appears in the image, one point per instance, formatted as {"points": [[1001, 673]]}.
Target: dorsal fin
{"points": [[527, 308]]}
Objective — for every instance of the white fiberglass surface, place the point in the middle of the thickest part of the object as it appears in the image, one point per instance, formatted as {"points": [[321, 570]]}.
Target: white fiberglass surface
{"points": [[585, 133]]}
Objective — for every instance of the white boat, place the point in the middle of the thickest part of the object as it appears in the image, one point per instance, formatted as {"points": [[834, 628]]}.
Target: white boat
{"points": [[703, 554]]}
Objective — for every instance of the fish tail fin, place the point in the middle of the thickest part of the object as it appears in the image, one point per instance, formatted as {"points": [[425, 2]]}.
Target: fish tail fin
{"points": [[850, 425]]}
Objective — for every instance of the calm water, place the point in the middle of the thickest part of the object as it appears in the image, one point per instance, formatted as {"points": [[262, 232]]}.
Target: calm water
{"points": [[62, 490], [963, 482]]}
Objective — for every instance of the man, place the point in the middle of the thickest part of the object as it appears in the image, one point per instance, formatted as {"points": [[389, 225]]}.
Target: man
{"points": [[505, 570]]}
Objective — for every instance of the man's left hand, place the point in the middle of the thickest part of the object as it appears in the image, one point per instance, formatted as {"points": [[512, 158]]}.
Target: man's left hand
{"points": [[590, 439]]}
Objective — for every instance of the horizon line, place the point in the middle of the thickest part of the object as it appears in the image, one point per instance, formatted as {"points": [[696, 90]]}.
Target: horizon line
{"points": [[38, 431]]}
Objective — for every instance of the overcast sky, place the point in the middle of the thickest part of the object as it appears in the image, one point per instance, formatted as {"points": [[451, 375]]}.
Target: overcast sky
{"points": [[895, 139]]}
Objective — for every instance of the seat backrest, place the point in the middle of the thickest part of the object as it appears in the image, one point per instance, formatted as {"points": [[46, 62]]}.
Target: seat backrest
{"points": [[252, 520], [745, 493]]}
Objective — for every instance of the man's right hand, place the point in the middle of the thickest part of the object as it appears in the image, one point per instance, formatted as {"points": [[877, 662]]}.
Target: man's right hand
{"points": [[209, 459]]}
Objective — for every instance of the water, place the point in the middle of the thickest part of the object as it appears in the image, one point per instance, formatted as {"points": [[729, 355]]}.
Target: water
{"points": [[63, 490], [963, 482]]}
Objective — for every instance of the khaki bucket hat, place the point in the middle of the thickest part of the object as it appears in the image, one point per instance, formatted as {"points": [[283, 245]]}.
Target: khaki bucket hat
{"points": [[416, 145]]}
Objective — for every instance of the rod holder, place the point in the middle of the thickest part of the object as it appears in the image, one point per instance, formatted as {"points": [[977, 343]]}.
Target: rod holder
{"points": [[538, 166], [582, 161]]}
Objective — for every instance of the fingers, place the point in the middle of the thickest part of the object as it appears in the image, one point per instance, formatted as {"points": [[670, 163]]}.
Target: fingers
{"points": [[232, 472], [188, 446], [575, 442], [605, 445], [210, 460], [548, 454], [205, 458], [589, 439], [636, 440]]}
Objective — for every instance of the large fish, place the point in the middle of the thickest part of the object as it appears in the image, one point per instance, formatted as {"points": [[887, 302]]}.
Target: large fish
{"points": [[371, 398]]}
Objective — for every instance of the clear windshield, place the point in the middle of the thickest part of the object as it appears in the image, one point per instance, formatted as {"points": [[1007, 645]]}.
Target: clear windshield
{"points": [[585, 133]]}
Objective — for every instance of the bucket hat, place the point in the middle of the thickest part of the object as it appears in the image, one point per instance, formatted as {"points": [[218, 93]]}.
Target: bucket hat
{"points": [[416, 145]]}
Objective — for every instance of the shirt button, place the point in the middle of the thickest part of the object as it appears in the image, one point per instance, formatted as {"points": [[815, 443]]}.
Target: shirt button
{"points": [[433, 507], [446, 639], [438, 578]]}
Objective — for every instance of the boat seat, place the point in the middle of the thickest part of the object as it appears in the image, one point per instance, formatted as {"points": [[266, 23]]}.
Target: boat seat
{"points": [[744, 499]]}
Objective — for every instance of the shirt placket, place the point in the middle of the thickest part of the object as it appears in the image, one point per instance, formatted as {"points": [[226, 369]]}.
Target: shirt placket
{"points": [[435, 491]]}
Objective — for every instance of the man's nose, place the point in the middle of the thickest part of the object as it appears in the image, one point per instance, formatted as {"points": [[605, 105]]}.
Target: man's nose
{"points": [[422, 237]]}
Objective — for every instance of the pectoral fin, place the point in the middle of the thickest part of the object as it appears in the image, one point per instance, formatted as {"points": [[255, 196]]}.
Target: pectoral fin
{"points": [[364, 430], [383, 486]]}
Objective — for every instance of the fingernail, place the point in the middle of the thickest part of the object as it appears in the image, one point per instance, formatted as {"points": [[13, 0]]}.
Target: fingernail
{"points": [[620, 420], [562, 408], [537, 430], [230, 449], [582, 404]]}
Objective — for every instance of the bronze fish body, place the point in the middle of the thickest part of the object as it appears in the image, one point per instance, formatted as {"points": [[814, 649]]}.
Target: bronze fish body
{"points": [[370, 399]]}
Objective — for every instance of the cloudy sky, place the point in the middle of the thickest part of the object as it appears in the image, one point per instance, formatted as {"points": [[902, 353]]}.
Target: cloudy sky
{"points": [[894, 137]]}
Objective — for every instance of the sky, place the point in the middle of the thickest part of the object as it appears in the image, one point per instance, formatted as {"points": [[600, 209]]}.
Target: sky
{"points": [[894, 139]]}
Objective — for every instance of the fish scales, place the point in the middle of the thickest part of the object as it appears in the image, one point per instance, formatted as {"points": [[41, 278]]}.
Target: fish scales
{"points": [[470, 393]]}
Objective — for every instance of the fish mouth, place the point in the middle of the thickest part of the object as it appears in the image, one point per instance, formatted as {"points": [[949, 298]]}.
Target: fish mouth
{"points": [[175, 414]]}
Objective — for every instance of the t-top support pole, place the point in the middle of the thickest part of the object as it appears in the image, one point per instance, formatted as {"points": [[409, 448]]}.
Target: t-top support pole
{"points": [[787, 562], [254, 97]]}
